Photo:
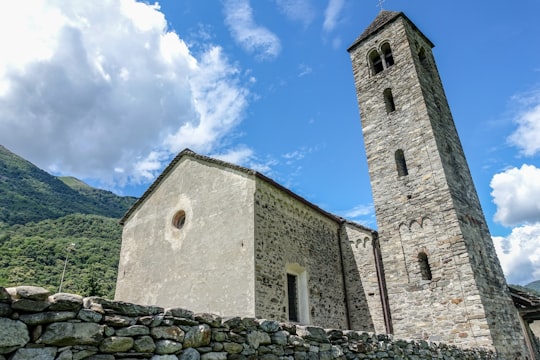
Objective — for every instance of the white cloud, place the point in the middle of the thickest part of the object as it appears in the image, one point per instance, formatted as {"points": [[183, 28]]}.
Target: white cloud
{"points": [[265, 167], [516, 192], [239, 156], [298, 10], [361, 214], [358, 211], [107, 92], [519, 254], [244, 156], [250, 36], [298, 155], [218, 101], [527, 135], [304, 70], [294, 155], [332, 14]]}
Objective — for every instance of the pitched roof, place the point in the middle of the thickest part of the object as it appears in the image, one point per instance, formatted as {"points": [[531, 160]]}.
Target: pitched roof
{"points": [[526, 301], [385, 17], [184, 153], [191, 154]]}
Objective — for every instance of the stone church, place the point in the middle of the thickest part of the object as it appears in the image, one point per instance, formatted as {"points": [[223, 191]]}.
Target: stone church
{"points": [[215, 237]]}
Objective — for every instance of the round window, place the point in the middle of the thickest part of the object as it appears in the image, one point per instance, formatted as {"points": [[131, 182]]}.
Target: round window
{"points": [[179, 219]]}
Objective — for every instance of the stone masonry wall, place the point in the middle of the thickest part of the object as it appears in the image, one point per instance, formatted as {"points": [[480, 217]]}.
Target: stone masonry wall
{"points": [[290, 233], [37, 325], [415, 212], [432, 209], [361, 275]]}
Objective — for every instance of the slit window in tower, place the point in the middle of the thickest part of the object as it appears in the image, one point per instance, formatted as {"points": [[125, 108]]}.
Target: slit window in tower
{"points": [[389, 101], [425, 269], [387, 54], [401, 165], [422, 57], [376, 62]]}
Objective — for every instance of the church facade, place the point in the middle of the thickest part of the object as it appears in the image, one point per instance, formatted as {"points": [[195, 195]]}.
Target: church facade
{"points": [[215, 237]]}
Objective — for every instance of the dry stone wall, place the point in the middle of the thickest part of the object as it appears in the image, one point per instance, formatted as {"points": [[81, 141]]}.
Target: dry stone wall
{"points": [[37, 325]]}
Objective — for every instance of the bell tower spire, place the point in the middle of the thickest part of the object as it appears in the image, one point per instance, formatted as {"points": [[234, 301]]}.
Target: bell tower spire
{"points": [[443, 277]]}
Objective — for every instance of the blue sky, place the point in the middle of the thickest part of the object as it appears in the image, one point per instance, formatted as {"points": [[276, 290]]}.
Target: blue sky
{"points": [[110, 91]]}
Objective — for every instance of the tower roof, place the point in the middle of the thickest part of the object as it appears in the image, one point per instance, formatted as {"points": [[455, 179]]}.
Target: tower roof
{"points": [[385, 17]]}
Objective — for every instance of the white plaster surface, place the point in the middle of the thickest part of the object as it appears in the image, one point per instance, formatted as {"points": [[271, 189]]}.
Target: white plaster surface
{"points": [[208, 265]]}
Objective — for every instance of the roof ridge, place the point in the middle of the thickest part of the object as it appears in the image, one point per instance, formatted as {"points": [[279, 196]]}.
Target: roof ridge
{"points": [[383, 18], [190, 153]]}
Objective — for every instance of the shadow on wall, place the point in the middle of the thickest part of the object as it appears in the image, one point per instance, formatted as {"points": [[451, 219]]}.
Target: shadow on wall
{"points": [[361, 279]]}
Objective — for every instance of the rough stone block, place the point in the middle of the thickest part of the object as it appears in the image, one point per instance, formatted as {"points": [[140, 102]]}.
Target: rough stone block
{"points": [[13, 334], [65, 302], [189, 354], [116, 344], [47, 317], [29, 292], [164, 347], [168, 333], [198, 336], [67, 333], [47, 353]]}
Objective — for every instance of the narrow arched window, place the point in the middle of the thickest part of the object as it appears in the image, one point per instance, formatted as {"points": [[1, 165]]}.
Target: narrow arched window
{"points": [[387, 55], [292, 294], [389, 101], [376, 62], [401, 165], [425, 269], [422, 57]]}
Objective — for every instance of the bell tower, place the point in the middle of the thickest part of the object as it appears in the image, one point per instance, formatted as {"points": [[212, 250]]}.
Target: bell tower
{"points": [[443, 278]]}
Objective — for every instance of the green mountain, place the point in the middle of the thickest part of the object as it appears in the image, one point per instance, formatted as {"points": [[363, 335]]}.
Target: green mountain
{"points": [[111, 204], [535, 285], [57, 230], [29, 194]]}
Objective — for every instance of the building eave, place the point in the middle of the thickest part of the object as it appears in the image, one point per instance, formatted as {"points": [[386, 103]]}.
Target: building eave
{"points": [[382, 20], [191, 154], [527, 303]]}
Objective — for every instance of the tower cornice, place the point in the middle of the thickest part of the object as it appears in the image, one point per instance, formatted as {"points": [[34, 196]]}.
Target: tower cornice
{"points": [[384, 18]]}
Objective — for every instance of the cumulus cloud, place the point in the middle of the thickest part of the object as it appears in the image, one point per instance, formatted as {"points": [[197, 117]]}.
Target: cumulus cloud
{"points": [[516, 192], [251, 37], [527, 135], [519, 254], [298, 10], [108, 92], [332, 14]]}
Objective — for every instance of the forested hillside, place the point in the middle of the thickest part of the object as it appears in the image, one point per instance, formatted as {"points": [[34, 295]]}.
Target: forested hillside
{"points": [[35, 254], [44, 219], [28, 193]]}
